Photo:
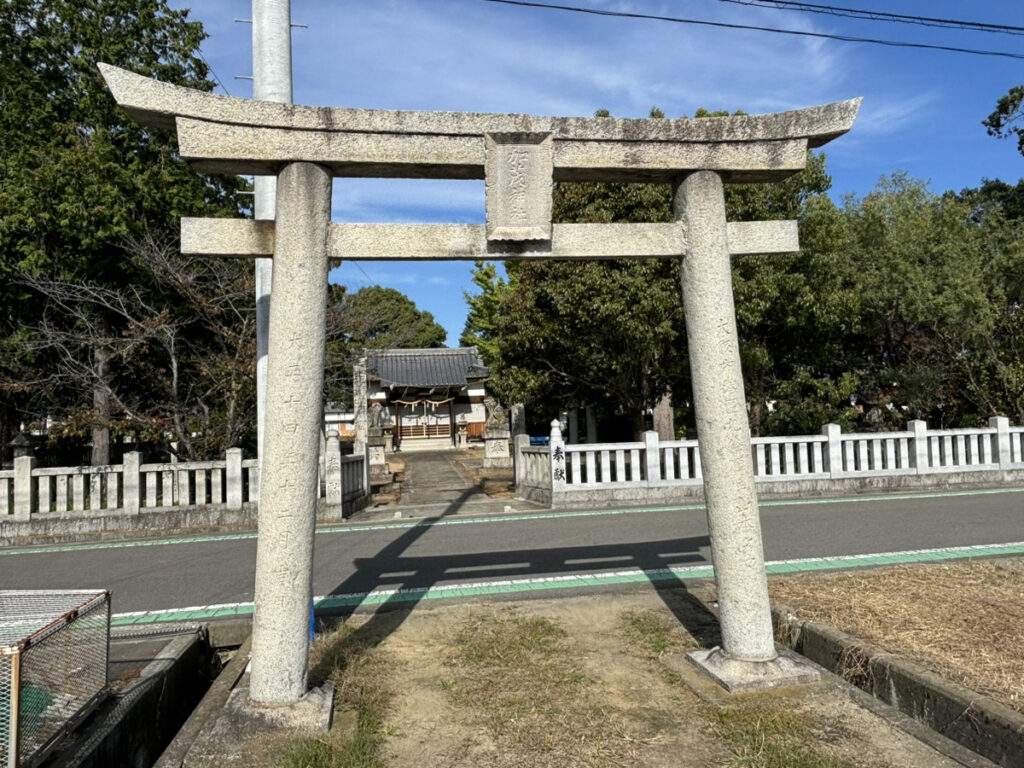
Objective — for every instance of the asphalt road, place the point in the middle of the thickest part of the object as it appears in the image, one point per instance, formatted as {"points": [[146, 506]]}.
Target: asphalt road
{"points": [[358, 557]]}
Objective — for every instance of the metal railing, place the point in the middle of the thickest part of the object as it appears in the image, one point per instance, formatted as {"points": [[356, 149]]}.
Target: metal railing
{"points": [[54, 648]]}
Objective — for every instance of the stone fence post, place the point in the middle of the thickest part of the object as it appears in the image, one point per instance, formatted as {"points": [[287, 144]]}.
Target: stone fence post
{"points": [[517, 419], [574, 425], [233, 478], [652, 456], [130, 483], [361, 424], [556, 454], [1001, 441], [519, 442], [24, 488], [919, 445], [332, 462], [833, 449], [367, 488]]}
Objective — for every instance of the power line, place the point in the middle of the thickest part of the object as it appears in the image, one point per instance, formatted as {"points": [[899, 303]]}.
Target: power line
{"points": [[725, 25], [214, 73], [898, 18], [369, 280]]}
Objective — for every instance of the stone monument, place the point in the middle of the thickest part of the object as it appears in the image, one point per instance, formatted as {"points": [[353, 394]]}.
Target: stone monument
{"points": [[496, 436], [518, 419], [518, 156], [377, 443]]}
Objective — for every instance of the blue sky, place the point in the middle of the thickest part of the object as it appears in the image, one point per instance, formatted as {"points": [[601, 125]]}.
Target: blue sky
{"points": [[922, 109]]}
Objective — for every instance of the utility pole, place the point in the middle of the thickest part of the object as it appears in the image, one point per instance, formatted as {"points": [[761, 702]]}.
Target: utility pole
{"points": [[272, 81]]}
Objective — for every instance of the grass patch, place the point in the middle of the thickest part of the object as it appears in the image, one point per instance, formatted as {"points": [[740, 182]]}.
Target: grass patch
{"points": [[518, 677], [653, 632], [962, 620], [361, 697], [765, 735]]}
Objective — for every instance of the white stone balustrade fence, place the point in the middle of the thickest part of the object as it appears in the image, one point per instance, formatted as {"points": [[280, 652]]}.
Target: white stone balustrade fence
{"points": [[130, 487], [562, 473]]}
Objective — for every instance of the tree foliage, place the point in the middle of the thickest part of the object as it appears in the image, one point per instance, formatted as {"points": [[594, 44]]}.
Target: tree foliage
{"points": [[79, 180], [179, 371], [611, 334], [1007, 119], [481, 328], [371, 318], [901, 304]]}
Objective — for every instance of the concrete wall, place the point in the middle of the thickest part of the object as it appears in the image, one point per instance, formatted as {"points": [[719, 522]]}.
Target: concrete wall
{"points": [[135, 725], [973, 720], [671, 493]]}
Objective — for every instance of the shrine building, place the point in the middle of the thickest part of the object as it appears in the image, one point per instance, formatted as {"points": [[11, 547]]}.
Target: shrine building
{"points": [[425, 395]]}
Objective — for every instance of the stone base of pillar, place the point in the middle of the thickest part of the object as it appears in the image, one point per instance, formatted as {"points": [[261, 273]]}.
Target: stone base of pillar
{"points": [[496, 452], [378, 452], [738, 676], [240, 722]]}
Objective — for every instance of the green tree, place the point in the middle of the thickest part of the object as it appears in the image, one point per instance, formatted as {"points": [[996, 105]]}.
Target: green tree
{"points": [[384, 318], [78, 177], [941, 296], [373, 317], [482, 328], [1007, 119], [611, 334]]}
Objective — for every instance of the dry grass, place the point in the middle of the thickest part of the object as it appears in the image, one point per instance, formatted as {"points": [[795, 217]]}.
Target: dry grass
{"points": [[556, 683], [360, 672], [517, 677], [655, 633], [962, 620], [766, 734]]}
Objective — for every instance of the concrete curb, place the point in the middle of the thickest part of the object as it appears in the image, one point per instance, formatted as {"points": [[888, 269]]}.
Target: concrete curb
{"points": [[667, 492], [208, 710], [145, 716], [51, 528], [968, 718]]}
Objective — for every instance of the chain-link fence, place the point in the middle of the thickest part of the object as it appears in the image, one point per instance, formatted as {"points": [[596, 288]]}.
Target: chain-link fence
{"points": [[53, 667]]}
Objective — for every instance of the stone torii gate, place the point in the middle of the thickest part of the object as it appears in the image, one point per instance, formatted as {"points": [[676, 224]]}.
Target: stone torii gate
{"points": [[519, 156]]}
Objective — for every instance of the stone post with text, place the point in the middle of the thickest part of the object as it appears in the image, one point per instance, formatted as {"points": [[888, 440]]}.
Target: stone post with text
{"points": [[747, 657], [289, 488]]}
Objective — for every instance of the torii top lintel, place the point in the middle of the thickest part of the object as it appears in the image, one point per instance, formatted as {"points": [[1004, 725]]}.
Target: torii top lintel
{"points": [[222, 134]]}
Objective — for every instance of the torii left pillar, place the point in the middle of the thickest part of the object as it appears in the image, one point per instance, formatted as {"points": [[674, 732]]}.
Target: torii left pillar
{"points": [[289, 492]]}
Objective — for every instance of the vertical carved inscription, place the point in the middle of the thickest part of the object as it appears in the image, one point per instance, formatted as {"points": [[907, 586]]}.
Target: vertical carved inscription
{"points": [[518, 169], [517, 165]]}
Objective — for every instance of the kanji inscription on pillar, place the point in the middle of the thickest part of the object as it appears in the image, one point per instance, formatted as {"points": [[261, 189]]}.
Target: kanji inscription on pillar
{"points": [[518, 171]]}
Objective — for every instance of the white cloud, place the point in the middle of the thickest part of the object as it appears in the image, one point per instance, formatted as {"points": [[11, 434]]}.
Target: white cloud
{"points": [[457, 54], [889, 113]]}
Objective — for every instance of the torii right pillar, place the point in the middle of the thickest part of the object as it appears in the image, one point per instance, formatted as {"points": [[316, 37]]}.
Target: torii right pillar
{"points": [[747, 658]]}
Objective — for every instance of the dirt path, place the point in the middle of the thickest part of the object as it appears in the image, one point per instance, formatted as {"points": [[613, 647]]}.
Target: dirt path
{"points": [[580, 681]]}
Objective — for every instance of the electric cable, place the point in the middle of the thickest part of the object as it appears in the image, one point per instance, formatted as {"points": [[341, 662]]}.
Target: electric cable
{"points": [[897, 18], [752, 27]]}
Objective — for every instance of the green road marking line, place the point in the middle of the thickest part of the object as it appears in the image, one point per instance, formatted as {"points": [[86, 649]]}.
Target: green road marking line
{"points": [[442, 522], [572, 581]]}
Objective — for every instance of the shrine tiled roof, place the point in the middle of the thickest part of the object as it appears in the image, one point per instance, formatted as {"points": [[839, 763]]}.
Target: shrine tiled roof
{"points": [[425, 367]]}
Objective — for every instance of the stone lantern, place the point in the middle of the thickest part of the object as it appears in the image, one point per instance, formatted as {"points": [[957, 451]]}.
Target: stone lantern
{"points": [[21, 445]]}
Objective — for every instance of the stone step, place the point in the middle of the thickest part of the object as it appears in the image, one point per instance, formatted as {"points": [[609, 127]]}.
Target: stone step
{"points": [[427, 444]]}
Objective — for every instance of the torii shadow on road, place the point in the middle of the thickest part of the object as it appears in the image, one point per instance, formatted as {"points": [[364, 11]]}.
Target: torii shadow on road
{"points": [[408, 579]]}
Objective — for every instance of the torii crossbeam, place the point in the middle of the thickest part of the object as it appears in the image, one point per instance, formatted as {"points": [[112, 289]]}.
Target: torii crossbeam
{"points": [[518, 156]]}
